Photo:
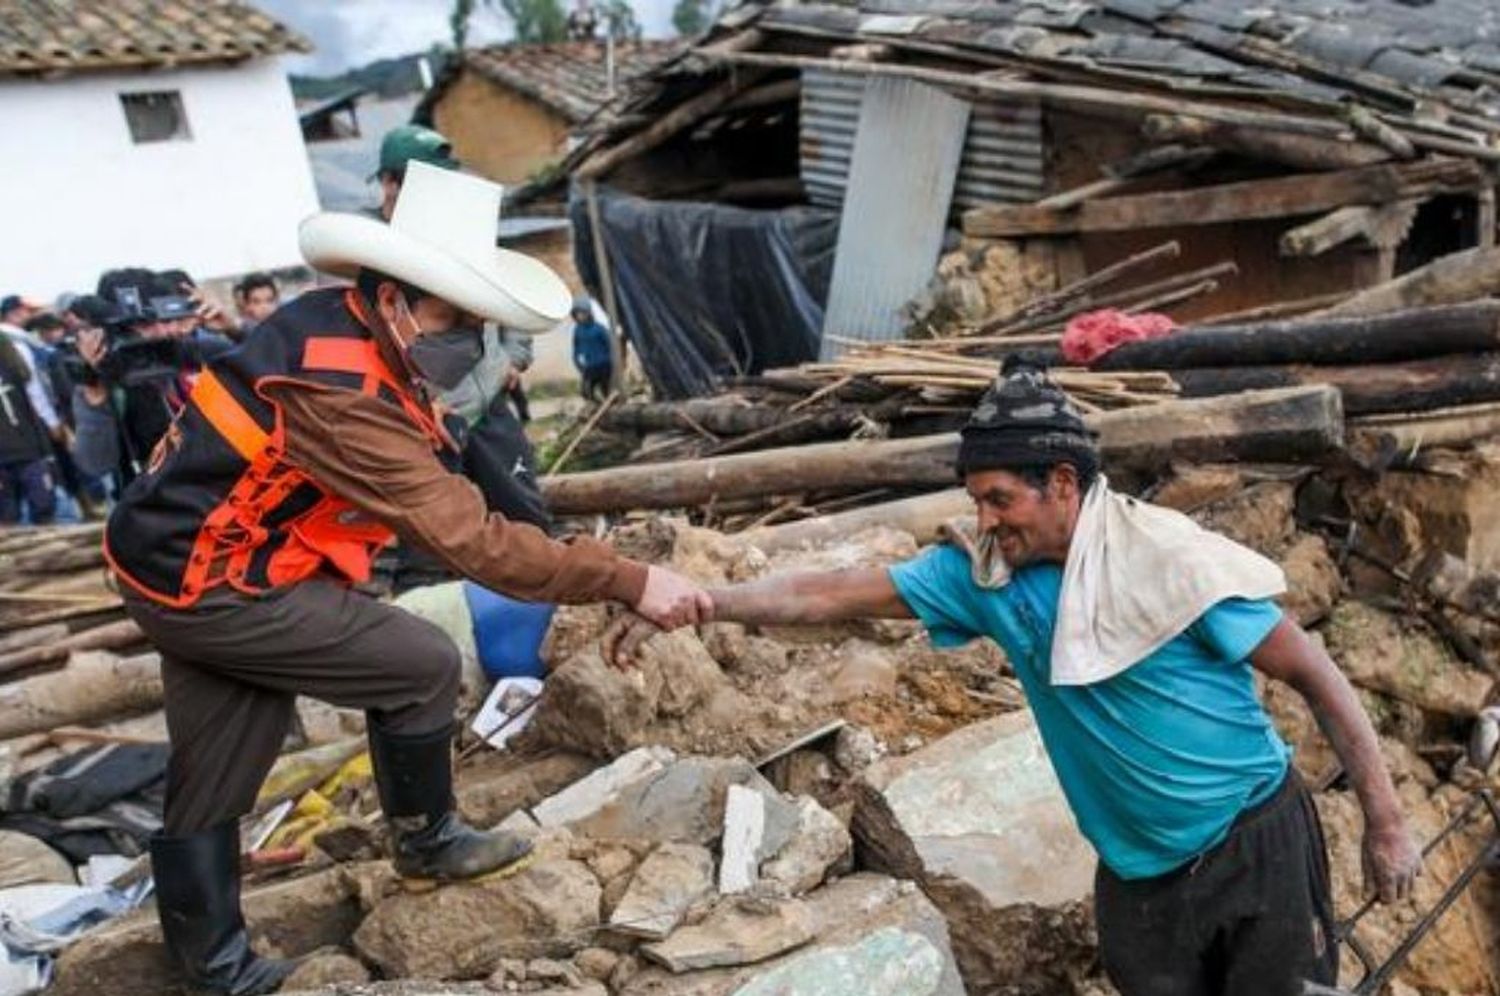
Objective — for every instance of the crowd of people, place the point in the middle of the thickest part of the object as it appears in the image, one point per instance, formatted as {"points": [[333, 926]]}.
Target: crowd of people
{"points": [[90, 383]]}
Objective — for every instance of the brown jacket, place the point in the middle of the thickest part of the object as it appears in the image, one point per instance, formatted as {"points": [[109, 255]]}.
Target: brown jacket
{"points": [[369, 453]]}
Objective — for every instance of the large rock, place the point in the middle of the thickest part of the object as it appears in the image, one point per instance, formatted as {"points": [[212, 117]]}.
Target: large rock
{"points": [[737, 932], [756, 826], [684, 801], [872, 936], [287, 919], [819, 844], [979, 819], [1313, 581], [326, 968], [595, 709], [1404, 660], [665, 886], [1260, 516], [587, 796], [463, 931]]}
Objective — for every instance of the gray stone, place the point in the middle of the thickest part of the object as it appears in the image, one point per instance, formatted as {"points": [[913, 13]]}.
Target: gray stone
{"points": [[682, 802], [663, 889], [463, 931], [733, 935], [499, 785], [979, 819], [586, 797], [819, 843], [757, 824], [856, 748], [874, 936]]}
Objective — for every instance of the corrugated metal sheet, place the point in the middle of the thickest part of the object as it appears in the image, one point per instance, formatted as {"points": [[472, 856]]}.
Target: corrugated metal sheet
{"points": [[1002, 157], [908, 144]]}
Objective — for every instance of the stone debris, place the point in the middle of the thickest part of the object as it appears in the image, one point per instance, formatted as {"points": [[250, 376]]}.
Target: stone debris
{"points": [[549, 909], [1404, 660], [684, 801], [586, 797], [326, 968], [667, 884], [756, 826], [819, 844], [979, 819], [872, 936], [735, 933]]}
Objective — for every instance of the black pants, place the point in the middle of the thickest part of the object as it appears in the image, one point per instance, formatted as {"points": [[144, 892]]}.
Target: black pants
{"points": [[232, 666], [594, 383], [1252, 917]]}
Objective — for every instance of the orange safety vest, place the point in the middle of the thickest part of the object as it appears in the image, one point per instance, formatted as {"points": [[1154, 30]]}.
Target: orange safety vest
{"points": [[220, 503]]}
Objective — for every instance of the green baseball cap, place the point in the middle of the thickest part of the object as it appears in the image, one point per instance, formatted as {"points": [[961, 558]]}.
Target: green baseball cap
{"points": [[401, 145]]}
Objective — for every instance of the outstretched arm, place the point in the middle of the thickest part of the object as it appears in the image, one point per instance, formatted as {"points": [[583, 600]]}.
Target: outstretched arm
{"points": [[811, 597], [803, 598], [1391, 858]]}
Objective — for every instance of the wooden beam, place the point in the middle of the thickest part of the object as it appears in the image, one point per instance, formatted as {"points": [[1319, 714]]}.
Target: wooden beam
{"points": [[1302, 423], [1301, 151], [1281, 197], [1391, 338], [1383, 226], [1460, 276], [682, 116]]}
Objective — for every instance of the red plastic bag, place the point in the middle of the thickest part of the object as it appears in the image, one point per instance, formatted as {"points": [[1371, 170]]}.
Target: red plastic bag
{"points": [[1094, 333]]}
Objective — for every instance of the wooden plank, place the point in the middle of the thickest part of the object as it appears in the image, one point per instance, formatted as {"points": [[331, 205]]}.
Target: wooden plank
{"points": [[1248, 200], [1460, 276]]}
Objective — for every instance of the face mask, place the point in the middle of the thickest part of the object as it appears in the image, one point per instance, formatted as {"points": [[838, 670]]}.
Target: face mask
{"points": [[443, 359]]}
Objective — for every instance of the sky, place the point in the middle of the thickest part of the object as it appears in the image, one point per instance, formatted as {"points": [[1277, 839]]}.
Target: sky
{"points": [[349, 33]]}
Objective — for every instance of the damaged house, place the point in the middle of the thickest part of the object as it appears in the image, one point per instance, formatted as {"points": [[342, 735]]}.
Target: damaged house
{"points": [[791, 182]]}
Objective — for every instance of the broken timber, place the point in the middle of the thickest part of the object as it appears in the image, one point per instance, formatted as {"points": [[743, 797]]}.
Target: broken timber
{"points": [[1461, 276], [1402, 335], [1301, 151], [1280, 197], [1275, 425]]}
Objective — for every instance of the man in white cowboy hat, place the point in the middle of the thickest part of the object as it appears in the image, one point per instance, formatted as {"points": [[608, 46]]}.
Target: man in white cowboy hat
{"points": [[297, 458]]}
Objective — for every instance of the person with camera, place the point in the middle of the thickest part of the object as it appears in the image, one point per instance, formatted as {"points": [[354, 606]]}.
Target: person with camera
{"points": [[140, 361], [26, 470]]}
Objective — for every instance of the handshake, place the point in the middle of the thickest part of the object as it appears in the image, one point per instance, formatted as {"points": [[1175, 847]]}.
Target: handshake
{"points": [[668, 602]]}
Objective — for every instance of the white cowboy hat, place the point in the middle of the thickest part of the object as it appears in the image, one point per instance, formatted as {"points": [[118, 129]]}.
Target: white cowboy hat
{"points": [[441, 238]]}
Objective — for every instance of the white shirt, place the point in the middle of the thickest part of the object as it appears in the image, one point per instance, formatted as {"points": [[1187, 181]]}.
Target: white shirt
{"points": [[36, 388]]}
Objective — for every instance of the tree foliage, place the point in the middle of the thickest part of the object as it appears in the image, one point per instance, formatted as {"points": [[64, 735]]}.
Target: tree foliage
{"points": [[690, 17], [620, 20], [533, 20]]}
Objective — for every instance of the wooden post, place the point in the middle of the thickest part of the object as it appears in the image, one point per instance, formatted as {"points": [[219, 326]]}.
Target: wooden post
{"points": [[617, 356]]}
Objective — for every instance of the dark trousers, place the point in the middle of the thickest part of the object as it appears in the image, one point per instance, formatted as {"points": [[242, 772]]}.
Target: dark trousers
{"points": [[1252, 917], [33, 482], [594, 383], [232, 666]]}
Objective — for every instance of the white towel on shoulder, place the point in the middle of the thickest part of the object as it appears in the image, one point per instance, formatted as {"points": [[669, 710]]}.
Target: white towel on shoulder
{"points": [[1137, 576]]}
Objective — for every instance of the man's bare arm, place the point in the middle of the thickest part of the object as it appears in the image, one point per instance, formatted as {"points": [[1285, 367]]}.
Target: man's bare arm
{"points": [[1391, 857], [811, 597], [804, 598]]}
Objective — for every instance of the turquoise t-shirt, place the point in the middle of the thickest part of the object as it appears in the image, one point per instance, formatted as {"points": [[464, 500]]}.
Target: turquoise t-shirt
{"points": [[1156, 761]]}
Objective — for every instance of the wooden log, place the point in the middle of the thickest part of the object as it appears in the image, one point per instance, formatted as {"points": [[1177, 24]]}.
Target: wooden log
{"points": [[36, 636], [94, 686], [1401, 335], [921, 516], [111, 636], [1302, 151], [722, 418], [1413, 386], [1281, 197], [101, 609], [1379, 442], [1277, 425], [1384, 226], [1460, 276], [1277, 309], [682, 116], [1131, 298]]}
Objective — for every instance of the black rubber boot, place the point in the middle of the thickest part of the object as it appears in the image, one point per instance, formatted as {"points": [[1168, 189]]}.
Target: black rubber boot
{"points": [[198, 900], [429, 842]]}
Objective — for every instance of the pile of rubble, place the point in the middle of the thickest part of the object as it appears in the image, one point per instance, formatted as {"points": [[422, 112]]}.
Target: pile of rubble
{"points": [[842, 809]]}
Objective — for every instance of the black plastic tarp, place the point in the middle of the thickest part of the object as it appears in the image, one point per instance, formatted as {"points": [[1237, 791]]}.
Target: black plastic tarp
{"points": [[708, 291]]}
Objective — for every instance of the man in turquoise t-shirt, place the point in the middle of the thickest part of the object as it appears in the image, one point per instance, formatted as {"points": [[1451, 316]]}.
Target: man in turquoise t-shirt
{"points": [[1212, 878]]}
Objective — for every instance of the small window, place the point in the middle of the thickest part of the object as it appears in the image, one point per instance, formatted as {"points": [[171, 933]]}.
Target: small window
{"points": [[156, 117]]}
